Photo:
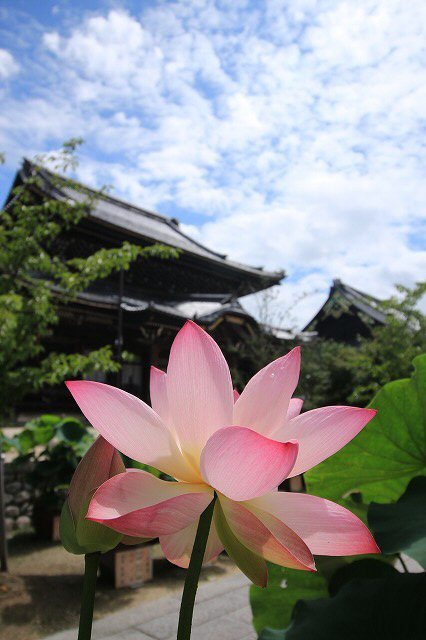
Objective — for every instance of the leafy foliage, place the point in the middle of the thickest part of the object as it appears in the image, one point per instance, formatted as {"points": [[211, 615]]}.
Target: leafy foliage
{"points": [[364, 569], [401, 526], [272, 607], [392, 347], [35, 279], [294, 605], [369, 597], [50, 447], [388, 452], [328, 373], [335, 373], [251, 354], [338, 373], [387, 608]]}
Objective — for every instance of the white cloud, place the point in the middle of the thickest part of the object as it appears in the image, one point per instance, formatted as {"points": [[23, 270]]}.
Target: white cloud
{"points": [[292, 134], [8, 65]]}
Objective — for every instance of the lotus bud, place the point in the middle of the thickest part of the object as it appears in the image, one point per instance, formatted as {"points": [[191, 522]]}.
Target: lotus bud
{"points": [[79, 535]]}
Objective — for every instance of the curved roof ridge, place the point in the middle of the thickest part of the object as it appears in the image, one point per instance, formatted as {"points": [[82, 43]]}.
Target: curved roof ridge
{"points": [[188, 243]]}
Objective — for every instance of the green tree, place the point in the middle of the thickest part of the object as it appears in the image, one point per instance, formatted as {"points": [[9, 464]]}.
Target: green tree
{"points": [[388, 354], [35, 280], [337, 373], [328, 372]]}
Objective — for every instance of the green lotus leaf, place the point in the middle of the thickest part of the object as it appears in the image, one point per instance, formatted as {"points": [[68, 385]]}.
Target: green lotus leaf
{"points": [[390, 608], [272, 607], [367, 568], [401, 526], [71, 430], [389, 451]]}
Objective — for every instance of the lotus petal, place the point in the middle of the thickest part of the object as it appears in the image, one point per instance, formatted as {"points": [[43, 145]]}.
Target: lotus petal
{"points": [[177, 547], [131, 426], [286, 549], [199, 389], [137, 503], [242, 464], [322, 432], [264, 403], [327, 528]]}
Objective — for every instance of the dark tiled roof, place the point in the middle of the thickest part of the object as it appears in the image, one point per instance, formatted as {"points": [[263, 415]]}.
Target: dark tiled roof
{"points": [[362, 301], [148, 225], [342, 294]]}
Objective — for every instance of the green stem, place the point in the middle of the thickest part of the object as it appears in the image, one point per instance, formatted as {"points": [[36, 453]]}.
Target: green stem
{"points": [[91, 563], [193, 573]]}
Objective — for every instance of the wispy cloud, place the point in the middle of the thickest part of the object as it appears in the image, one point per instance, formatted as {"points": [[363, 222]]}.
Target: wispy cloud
{"points": [[8, 65], [289, 134]]}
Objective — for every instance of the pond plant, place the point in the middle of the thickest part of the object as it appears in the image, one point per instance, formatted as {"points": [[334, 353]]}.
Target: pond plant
{"points": [[47, 451], [381, 475], [227, 455]]}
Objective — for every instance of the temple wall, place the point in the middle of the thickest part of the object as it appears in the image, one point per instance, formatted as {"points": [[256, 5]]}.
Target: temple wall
{"points": [[19, 497]]}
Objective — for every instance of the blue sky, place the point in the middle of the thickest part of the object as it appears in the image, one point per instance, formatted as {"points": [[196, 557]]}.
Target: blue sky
{"points": [[285, 133]]}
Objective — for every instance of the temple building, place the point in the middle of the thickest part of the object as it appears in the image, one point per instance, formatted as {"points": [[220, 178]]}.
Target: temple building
{"points": [[346, 315], [142, 309]]}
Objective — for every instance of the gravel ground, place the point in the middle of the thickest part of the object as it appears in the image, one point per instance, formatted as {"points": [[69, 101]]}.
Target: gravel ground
{"points": [[41, 593]]}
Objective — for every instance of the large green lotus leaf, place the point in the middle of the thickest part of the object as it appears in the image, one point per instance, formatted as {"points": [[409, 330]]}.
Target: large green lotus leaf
{"points": [[401, 526], [367, 568], [338, 572], [71, 430], [390, 608], [43, 434], [272, 606], [388, 452], [47, 419], [24, 441]]}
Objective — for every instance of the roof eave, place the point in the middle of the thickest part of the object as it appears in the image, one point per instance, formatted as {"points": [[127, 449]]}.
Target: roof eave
{"points": [[268, 278]]}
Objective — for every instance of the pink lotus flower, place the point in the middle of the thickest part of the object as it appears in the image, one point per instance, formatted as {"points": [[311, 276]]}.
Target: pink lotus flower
{"points": [[242, 447]]}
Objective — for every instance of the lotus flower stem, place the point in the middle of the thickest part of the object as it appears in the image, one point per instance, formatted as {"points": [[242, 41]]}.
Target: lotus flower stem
{"points": [[193, 573], [404, 566], [91, 563]]}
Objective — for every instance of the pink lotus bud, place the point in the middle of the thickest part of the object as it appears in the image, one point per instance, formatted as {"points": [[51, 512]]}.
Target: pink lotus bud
{"points": [[78, 534]]}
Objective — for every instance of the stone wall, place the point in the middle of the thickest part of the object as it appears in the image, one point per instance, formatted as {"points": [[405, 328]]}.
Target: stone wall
{"points": [[19, 498]]}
